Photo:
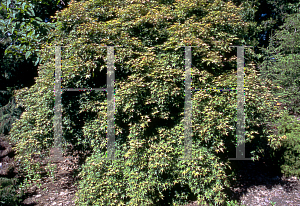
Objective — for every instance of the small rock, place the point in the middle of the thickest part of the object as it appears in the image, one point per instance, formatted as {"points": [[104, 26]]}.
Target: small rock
{"points": [[293, 178], [63, 193], [37, 196]]}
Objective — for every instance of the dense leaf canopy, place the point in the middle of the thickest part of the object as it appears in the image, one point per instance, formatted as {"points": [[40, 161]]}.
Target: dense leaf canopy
{"points": [[149, 99], [281, 63]]}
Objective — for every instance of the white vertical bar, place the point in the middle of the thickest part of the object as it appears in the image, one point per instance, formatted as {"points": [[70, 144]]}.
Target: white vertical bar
{"points": [[188, 104], [240, 127], [57, 92], [110, 104]]}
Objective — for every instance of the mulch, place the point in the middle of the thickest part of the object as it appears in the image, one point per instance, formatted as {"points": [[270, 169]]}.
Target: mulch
{"points": [[257, 183]]}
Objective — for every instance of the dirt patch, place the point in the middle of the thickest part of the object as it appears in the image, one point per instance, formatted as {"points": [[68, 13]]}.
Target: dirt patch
{"points": [[57, 190], [7, 168], [257, 183]]}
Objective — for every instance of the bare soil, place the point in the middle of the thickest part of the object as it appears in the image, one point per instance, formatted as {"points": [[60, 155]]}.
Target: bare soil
{"points": [[257, 183], [57, 190], [263, 186]]}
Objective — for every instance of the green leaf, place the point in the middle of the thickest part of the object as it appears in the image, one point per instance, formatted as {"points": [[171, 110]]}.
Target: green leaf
{"points": [[39, 19], [30, 11], [3, 6], [23, 5], [37, 61], [22, 24], [7, 49], [12, 30], [2, 22], [28, 53]]}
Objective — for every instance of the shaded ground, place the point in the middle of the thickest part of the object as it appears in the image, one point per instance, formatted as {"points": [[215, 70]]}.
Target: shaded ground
{"points": [[257, 183], [58, 190], [6, 159], [263, 186]]}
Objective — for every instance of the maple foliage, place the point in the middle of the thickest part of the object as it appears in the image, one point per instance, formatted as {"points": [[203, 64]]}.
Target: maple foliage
{"points": [[149, 100]]}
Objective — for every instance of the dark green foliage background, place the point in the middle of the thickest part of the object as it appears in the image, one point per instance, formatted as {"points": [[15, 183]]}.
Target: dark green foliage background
{"points": [[281, 64], [8, 192]]}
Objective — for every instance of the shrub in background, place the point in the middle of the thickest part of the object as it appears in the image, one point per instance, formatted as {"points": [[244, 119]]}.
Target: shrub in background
{"points": [[288, 156], [8, 192], [281, 63], [8, 114], [281, 66]]}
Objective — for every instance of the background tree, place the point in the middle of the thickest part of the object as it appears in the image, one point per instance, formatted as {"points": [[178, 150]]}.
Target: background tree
{"points": [[26, 24], [282, 61], [266, 16], [281, 68], [23, 27], [270, 15]]}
